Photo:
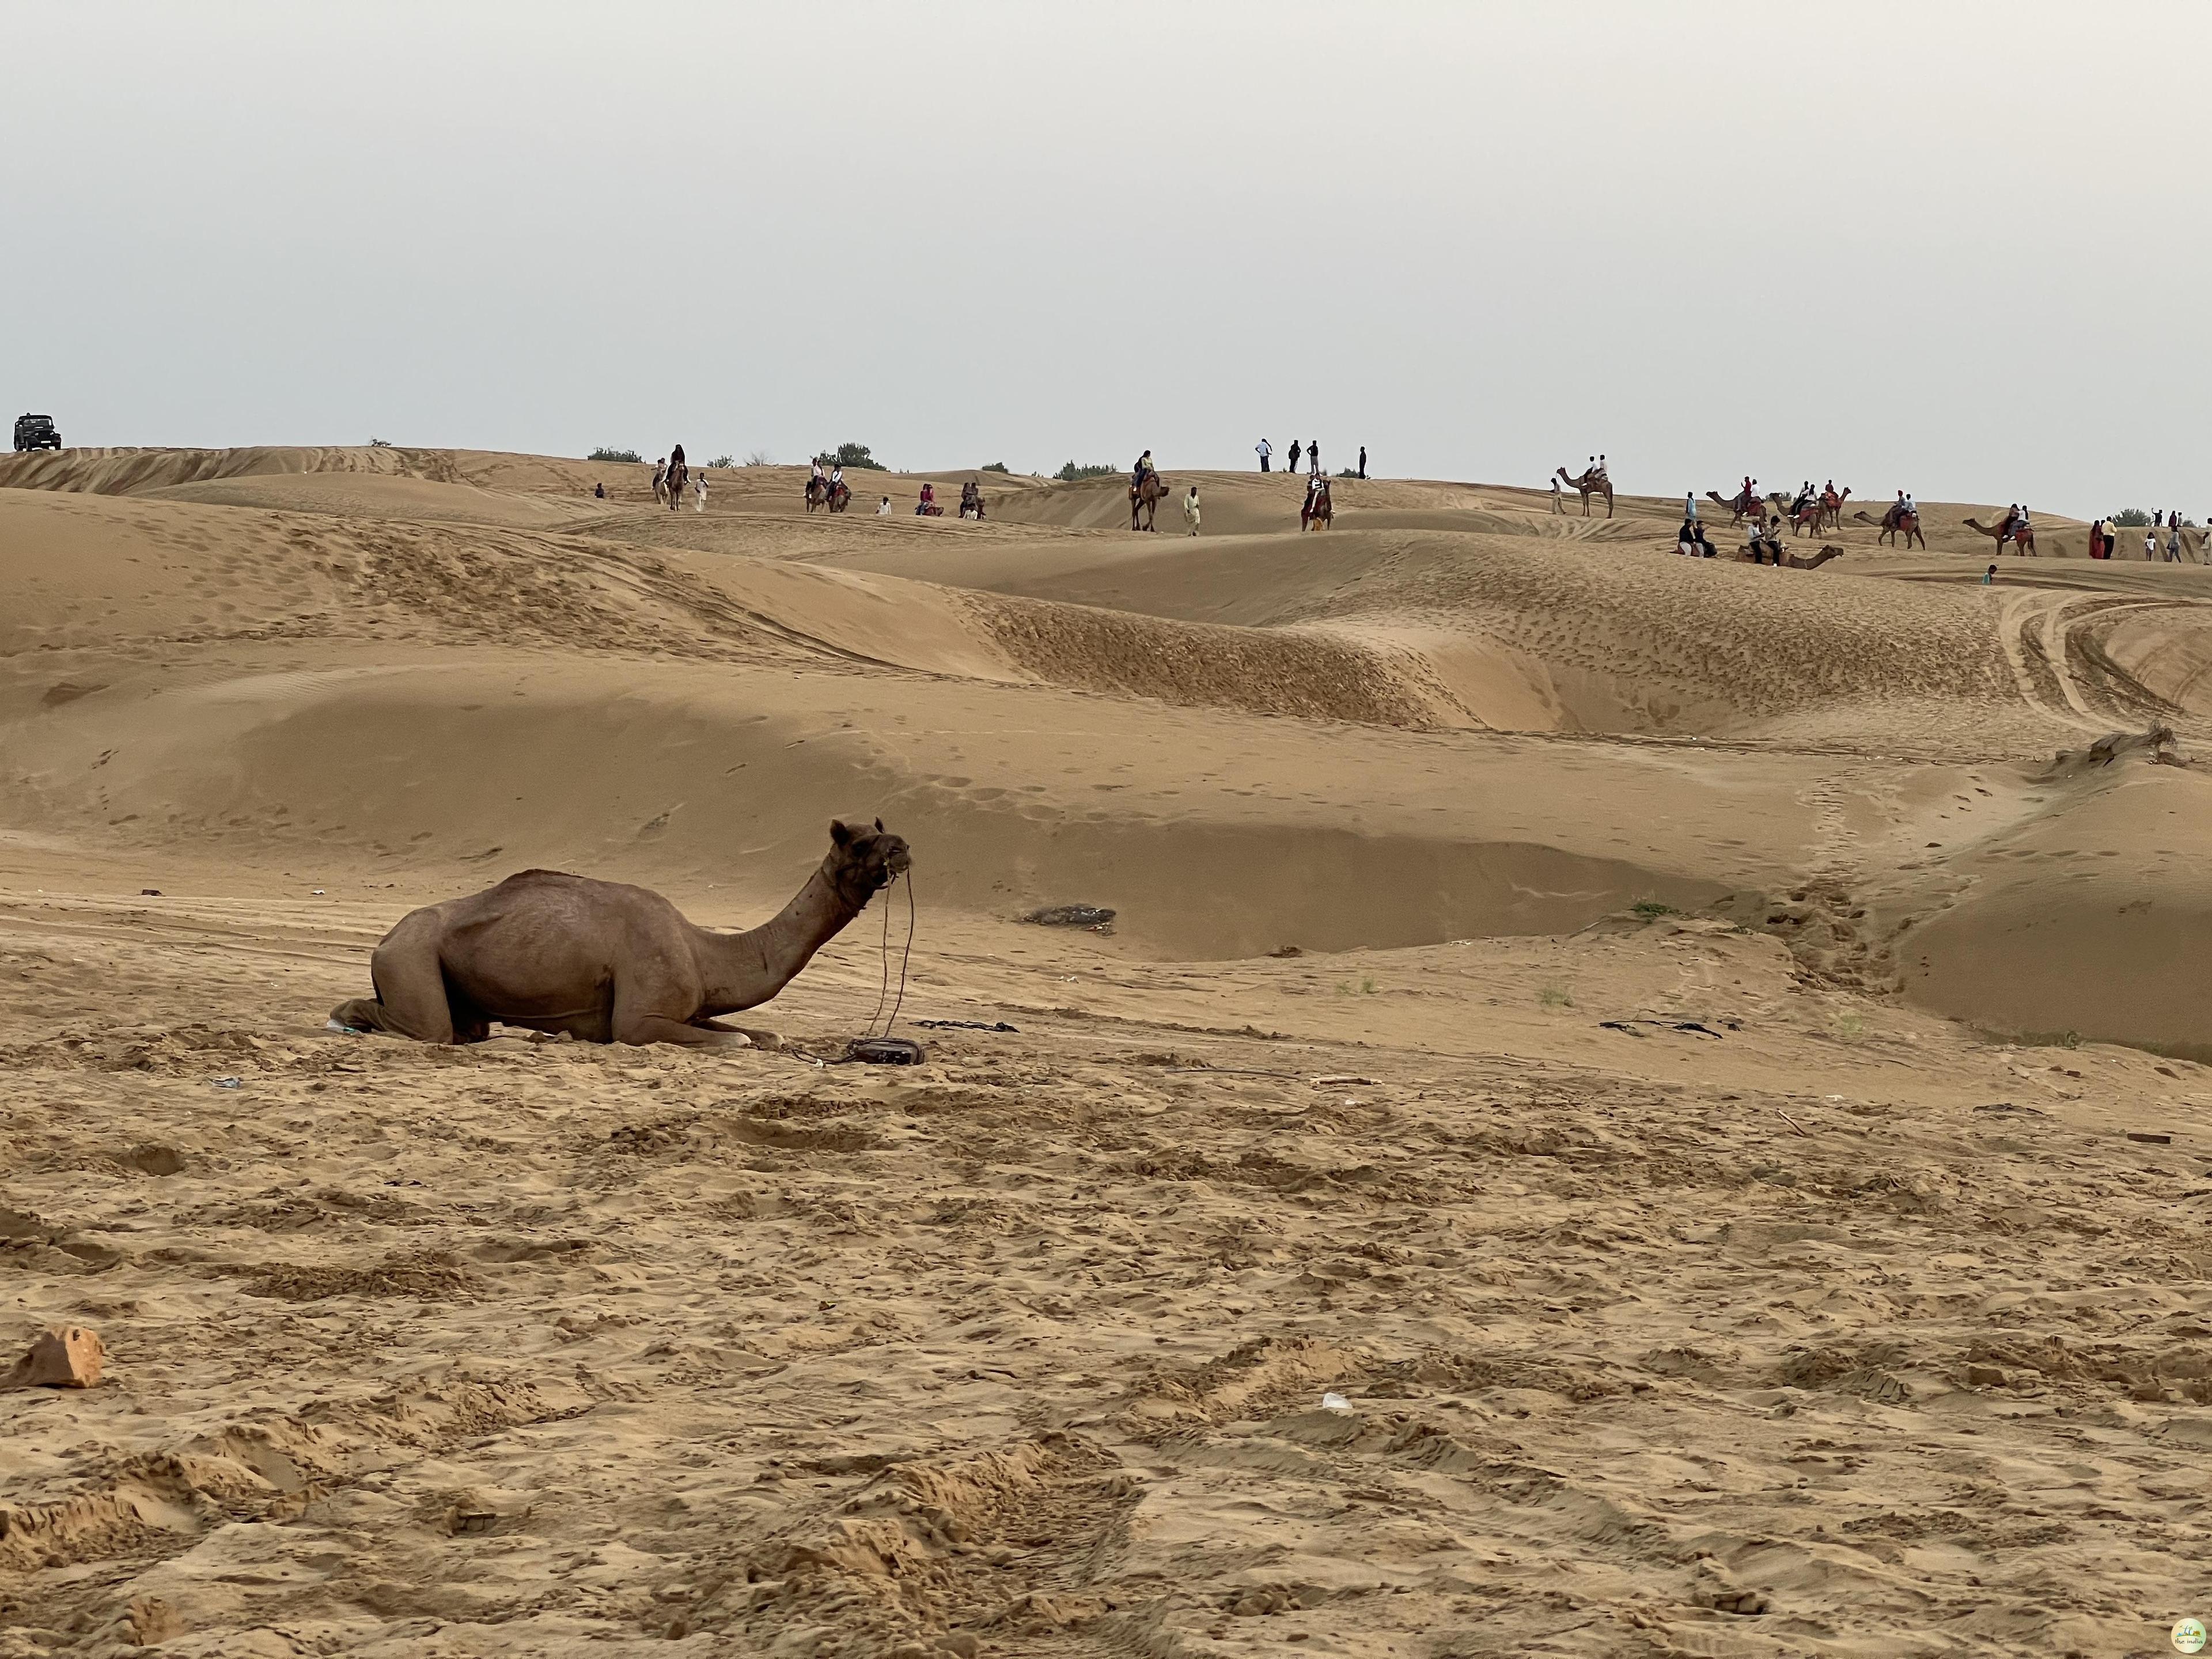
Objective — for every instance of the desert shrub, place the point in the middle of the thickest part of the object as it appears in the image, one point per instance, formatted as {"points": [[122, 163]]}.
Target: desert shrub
{"points": [[995, 466], [857, 456], [605, 455], [1652, 910], [723, 460], [1071, 472], [760, 458], [2134, 518]]}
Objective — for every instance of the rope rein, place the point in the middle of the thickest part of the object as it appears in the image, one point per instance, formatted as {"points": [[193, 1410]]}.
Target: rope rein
{"points": [[883, 993]]}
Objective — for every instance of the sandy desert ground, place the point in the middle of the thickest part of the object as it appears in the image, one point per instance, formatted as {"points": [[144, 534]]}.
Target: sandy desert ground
{"points": [[1705, 1064]]}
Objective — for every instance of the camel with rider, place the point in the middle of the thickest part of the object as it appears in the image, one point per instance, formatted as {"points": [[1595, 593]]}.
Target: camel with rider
{"points": [[1145, 498], [2015, 528], [1592, 481], [1316, 512], [1898, 520]]}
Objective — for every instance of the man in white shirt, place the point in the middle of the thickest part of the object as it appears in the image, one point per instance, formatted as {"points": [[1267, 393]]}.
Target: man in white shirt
{"points": [[1266, 449]]}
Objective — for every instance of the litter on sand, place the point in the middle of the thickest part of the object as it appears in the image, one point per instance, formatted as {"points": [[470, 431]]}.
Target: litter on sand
{"points": [[2151, 1139], [227, 1082], [884, 1051], [1071, 915], [1334, 1402], [964, 1025]]}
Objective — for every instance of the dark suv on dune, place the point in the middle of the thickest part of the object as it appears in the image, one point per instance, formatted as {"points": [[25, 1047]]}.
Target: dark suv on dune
{"points": [[37, 431]]}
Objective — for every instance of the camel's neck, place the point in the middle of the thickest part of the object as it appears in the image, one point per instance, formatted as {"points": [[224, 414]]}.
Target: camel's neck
{"points": [[741, 970]]}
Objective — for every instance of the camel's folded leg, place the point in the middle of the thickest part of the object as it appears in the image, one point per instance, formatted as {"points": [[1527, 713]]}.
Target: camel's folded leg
{"points": [[410, 987], [639, 1029]]}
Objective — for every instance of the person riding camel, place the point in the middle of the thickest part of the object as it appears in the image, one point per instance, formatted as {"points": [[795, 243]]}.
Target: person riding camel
{"points": [[818, 476], [1143, 466], [837, 477], [1750, 493], [926, 507]]}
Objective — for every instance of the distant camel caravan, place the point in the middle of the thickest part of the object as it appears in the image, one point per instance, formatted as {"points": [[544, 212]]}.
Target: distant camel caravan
{"points": [[1145, 498], [1593, 482], [603, 961], [1315, 513], [1895, 522], [2021, 535]]}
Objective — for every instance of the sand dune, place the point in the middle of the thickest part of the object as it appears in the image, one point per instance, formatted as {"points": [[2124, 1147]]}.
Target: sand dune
{"points": [[1658, 1040]]}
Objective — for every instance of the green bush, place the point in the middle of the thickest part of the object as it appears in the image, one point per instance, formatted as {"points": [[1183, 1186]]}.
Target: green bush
{"points": [[995, 466], [857, 456], [604, 454], [2135, 518], [1071, 472], [723, 460]]}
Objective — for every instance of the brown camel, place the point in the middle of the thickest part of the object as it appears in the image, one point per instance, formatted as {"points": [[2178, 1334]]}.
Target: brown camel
{"points": [[1315, 513], [604, 961], [2022, 536], [1893, 523], [1739, 504], [1145, 498], [1593, 482], [1831, 508]]}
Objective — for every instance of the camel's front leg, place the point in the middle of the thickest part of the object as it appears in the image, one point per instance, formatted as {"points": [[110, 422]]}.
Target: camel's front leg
{"points": [[639, 1029]]}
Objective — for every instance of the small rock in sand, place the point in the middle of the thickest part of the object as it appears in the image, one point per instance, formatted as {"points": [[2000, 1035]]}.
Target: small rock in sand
{"points": [[66, 1356]]}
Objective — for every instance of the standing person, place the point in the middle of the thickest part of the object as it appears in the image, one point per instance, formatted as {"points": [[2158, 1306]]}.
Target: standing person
{"points": [[1557, 506], [1363, 460], [2173, 542], [1190, 509], [1313, 458], [2150, 543], [2096, 538], [1689, 502], [699, 491], [884, 507], [1266, 449], [1294, 454]]}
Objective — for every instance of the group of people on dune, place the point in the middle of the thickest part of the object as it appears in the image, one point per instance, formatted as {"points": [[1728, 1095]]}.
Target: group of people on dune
{"points": [[2103, 541], [1265, 450]]}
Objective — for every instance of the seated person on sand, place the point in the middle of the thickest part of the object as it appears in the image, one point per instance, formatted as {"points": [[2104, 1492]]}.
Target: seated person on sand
{"points": [[1691, 542]]}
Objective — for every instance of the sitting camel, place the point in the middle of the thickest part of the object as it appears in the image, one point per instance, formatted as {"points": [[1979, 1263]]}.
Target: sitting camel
{"points": [[604, 961], [1801, 560], [1593, 482]]}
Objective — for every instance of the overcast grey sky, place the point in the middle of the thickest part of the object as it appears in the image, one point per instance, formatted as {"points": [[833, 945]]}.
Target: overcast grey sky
{"points": [[1951, 246]]}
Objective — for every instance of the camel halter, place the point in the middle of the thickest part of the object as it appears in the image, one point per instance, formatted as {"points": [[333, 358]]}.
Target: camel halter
{"points": [[884, 994]]}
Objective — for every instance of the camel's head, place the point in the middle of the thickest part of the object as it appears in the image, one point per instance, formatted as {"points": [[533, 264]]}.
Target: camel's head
{"points": [[864, 861]]}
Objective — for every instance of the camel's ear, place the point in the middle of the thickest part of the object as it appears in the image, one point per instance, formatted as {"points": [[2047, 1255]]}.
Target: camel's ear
{"points": [[839, 833], [880, 826]]}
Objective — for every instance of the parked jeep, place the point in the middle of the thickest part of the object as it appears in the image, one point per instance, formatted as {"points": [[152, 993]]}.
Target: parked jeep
{"points": [[37, 431]]}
